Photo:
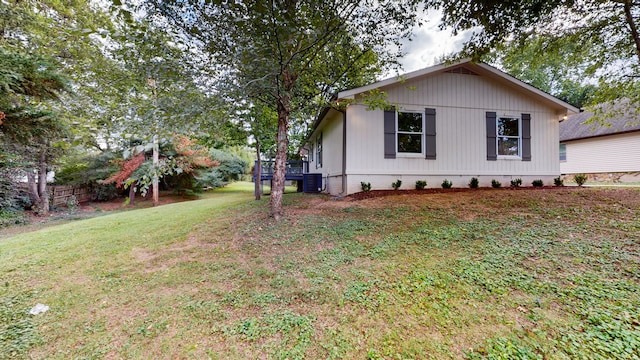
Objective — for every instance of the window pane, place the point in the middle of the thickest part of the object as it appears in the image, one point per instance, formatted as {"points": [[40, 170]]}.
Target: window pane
{"points": [[508, 146], [563, 152], [410, 122], [508, 127], [409, 143]]}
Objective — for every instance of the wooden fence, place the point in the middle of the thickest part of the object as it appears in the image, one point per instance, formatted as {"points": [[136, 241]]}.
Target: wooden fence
{"points": [[59, 195]]}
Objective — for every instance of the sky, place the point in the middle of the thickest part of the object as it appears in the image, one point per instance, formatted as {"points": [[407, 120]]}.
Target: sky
{"points": [[430, 44]]}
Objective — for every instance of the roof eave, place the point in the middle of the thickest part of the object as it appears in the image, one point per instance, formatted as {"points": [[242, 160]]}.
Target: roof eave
{"points": [[567, 108]]}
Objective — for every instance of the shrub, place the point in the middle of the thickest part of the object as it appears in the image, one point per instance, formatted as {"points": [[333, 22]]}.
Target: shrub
{"points": [[365, 186], [446, 184], [537, 183], [495, 184], [580, 179], [473, 183], [105, 192], [421, 184], [558, 181], [396, 185], [9, 218], [516, 182], [72, 203]]}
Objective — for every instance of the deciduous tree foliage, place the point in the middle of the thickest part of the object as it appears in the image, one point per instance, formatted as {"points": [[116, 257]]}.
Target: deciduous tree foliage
{"points": [[27, 132], [289, 54], [605, 33], [561, 72]]}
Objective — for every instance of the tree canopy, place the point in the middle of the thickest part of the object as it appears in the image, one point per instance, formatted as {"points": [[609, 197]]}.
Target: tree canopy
{"points": [[598, 36], [291, 55]]}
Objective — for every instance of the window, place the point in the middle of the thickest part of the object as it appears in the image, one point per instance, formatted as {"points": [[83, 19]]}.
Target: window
{"points": [[412, 133], [319, 151], [409, 138], [563, 152], [311, 153], [508, 136]]}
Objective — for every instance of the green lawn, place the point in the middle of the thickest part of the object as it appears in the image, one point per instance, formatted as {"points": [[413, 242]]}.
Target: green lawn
{"points": [[499, 274]]}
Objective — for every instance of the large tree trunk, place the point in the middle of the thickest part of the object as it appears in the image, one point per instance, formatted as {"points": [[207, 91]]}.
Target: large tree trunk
{"points": [[282, 143], [43, 204], [32, 185], [156, 192], [258, 172]]}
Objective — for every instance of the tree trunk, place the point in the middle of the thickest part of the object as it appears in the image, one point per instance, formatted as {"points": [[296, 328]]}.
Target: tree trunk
{"points": [[258, 172], [155, 171], [632, 25], [32, 185], [43, 205], [282, 141], [132, 193]]}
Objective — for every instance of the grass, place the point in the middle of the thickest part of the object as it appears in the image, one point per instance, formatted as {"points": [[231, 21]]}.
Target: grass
{"points": [[485, 274]]}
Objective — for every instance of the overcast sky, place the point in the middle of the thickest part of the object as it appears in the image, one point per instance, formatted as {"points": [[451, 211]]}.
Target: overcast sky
{"points": [[430, 44]]}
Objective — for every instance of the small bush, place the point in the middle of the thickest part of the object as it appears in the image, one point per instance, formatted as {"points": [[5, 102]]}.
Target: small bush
{"points": [[537, 183], [72, 203], [102, 192], [580, 179], [495, 184], [558, 181], [474, 183], [516, 182], [396, 185], [421, 184], [365, 186], [446, 184], [10, 218]]}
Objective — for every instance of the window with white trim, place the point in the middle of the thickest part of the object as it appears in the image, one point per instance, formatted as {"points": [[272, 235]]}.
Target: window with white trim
{"points": [[509, 136], [563, 152], [409, 133], [319, 151]]}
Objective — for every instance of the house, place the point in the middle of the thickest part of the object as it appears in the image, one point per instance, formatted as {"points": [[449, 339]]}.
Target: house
{"points": [[606, 152], [449, 121]]}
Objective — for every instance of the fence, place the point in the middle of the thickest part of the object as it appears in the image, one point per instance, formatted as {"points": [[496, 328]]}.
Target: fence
{"points": [[59, 195]]}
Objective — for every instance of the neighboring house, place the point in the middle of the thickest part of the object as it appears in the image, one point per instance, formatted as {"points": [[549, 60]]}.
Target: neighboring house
{"points": [[452, 122], [607, 152]]}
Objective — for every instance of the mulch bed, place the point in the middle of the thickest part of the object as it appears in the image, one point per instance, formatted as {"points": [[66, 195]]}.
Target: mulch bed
{"points": [[380, 193]]}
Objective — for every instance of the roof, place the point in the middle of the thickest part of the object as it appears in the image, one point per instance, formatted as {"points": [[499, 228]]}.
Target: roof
{"points": [[467, 65], [575, 127]]}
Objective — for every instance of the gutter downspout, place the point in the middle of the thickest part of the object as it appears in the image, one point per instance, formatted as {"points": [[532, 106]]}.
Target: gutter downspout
{"points": [[344, 152]]}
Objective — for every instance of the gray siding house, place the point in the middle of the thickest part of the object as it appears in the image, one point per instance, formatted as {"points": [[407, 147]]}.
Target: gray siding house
{"points": [[449, 121]]}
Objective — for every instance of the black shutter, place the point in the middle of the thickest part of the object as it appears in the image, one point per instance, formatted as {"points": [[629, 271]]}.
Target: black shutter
{"points": [[492, 144], [430, 133], [390, 134], [526, 137]]}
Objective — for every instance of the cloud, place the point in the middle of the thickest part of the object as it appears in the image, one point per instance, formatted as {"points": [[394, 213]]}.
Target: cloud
{"points": [[429, 43]]}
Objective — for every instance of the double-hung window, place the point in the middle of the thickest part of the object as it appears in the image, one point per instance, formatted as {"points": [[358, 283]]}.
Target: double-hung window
{"points": [[319, 151], [509, 136], [410, 132], [563, 152]]}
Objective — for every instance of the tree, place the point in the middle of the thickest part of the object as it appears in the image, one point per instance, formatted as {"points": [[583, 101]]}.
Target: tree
{"points": [[289, 54], [29, 132], [560, 72], [605, 30]]}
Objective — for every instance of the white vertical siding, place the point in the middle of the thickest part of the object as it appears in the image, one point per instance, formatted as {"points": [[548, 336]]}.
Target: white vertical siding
{"points": [[461, 102], [613, 153], [332, 150]]}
